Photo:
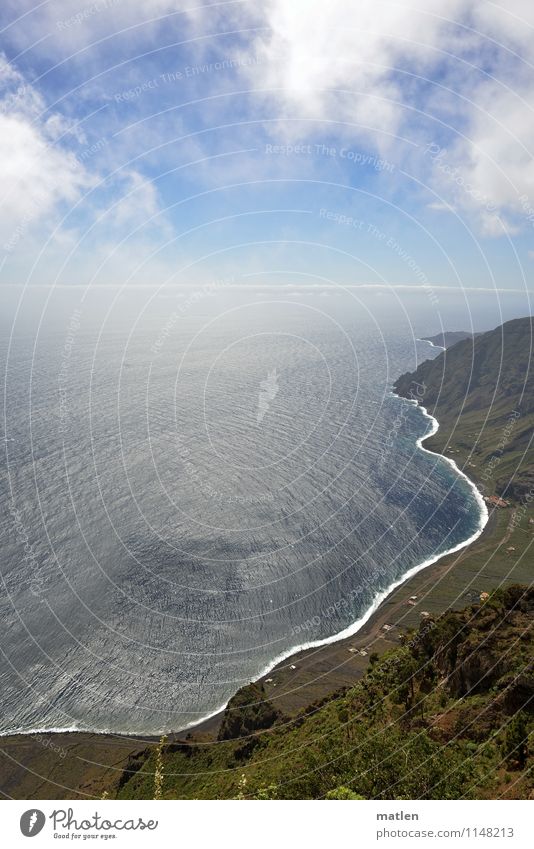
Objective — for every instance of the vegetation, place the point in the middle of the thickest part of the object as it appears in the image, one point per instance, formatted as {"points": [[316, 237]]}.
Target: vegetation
{"points": [[446, 715], [516, 740], [158, 771], [481, 390], [248, 711]]}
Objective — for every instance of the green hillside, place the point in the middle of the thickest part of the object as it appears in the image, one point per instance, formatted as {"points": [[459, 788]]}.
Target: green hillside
{"points": [[482, 393], [446, 715]]}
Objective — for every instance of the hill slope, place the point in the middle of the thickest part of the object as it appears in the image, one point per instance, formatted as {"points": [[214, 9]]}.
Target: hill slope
{"points": [[482, 393], [448, 338], [445, 716]]}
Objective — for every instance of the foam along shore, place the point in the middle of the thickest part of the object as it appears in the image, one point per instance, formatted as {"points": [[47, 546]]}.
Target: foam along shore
{"points": [[350, 631], [356, 626], [432, 345], [84, 764]]}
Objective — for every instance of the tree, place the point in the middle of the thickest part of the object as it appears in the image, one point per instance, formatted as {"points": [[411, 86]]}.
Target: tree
{"points": [[406, 679], [515, 747]]}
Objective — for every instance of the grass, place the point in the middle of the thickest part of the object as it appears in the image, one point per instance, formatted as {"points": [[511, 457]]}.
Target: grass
{"points": [[430, 719]]}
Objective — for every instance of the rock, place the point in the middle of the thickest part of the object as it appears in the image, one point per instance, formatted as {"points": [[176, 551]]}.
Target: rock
{"points": [[248, 711]]}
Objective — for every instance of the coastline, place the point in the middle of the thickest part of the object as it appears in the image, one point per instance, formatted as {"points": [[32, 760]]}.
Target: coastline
{"points": [[350, 631], [353, 629], [80, 765], [432, 345]]}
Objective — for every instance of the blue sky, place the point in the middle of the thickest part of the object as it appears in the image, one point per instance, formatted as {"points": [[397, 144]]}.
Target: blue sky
{"points": [[172, 143]]}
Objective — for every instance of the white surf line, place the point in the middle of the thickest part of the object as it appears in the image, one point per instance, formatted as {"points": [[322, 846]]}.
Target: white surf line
{"points": [[350, 631], [441, 347], [353, 629], [68, 729]]}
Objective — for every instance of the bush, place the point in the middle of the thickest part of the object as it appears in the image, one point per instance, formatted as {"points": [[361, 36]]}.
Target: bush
{"points": [[342, 793]]}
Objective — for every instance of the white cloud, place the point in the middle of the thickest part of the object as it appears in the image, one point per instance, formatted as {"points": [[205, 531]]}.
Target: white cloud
{"points": [[41, 180], [510, 23], [356, 69], [315, 48], [498, 158], [37, 173], [139, 200], [344, 62], [69, 26], [438, 206]]}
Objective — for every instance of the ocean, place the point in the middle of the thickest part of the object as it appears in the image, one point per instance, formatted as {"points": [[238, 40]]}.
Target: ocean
{"points": [[195, 485]]}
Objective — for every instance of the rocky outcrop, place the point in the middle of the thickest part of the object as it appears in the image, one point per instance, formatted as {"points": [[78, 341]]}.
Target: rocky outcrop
{"points": [[247, 712]]}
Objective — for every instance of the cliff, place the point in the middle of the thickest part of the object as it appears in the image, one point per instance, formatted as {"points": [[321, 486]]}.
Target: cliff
{"points": [[482, 393]]}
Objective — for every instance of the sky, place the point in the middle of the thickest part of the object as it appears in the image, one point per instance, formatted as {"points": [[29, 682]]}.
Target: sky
{"points": [[302, 142]]}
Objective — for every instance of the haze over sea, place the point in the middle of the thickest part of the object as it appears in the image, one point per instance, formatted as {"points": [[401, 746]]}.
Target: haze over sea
{"points": [[194, 486]]}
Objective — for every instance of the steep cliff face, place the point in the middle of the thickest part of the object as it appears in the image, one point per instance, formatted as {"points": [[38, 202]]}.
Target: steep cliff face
{"points": [[494, 369], [481, 390], [448, 338], [487, 647]]}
